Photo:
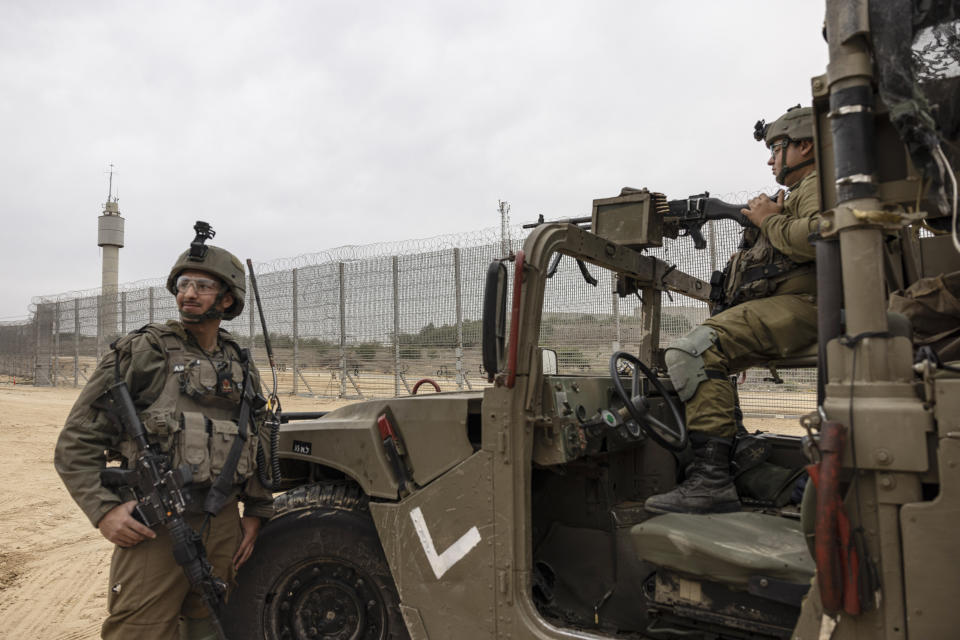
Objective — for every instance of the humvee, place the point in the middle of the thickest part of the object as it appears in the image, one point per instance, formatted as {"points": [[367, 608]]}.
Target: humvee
{"points": [[516, 511]]}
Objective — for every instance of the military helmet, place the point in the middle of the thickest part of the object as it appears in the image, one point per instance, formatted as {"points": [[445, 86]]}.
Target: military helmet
{"points": [[795, 124], [213, 260]]}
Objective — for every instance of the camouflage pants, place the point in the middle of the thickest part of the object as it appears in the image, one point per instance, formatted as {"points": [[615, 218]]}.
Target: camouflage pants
{"points": [[148, 590], [749, 334]]}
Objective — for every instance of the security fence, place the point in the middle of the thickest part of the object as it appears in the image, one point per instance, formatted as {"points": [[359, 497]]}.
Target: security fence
{"points": [[370, 321], [18, 349]]}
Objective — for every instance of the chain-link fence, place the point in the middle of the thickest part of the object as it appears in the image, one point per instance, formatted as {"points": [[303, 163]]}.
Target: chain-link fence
{"points": [[18, 349], [369, 321]]}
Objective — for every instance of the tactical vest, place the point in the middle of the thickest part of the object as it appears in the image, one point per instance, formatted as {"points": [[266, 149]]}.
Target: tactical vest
{"points": [[757, 269], [194, 419]]}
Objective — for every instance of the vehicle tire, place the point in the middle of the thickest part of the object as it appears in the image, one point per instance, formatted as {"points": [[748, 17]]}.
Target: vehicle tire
{"points": [[317, 572]]}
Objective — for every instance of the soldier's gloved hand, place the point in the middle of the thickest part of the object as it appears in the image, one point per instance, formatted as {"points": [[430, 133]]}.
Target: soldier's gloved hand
{"points": [[762, 207], [121, 528]]}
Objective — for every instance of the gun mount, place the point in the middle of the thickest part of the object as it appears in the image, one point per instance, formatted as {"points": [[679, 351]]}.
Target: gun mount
{"points": [[640, 218]]}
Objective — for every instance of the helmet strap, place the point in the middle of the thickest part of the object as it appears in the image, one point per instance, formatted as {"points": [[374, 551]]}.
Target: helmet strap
{"points": [[213, 313], [786, 169]]}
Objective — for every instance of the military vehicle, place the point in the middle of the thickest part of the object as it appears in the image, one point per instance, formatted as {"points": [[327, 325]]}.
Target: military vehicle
{"points": [[517, 511]]}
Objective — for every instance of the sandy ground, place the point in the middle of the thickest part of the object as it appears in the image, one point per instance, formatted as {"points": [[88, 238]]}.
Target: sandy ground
{"points": [[53, 563]]}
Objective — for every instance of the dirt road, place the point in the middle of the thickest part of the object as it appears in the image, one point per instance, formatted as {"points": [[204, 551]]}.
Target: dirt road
{"points": [[53, 563]]}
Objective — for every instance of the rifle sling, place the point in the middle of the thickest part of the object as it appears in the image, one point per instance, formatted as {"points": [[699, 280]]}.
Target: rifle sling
{"points": [[222, 487]]}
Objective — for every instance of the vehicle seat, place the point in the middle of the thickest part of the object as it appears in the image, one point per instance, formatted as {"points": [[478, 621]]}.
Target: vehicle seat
{"points": [[730, 548], [899, 326], [804, 359]]}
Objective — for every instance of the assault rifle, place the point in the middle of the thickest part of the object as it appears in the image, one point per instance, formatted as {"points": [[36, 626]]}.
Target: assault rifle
{"points": [[160, 498]]}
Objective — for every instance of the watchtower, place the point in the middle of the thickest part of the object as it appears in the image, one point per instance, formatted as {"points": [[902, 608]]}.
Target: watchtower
{"points": [[110, 239]]}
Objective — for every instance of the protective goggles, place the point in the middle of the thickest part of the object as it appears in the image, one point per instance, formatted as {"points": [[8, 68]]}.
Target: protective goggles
{"points": [[779, 144], [203, 286]]}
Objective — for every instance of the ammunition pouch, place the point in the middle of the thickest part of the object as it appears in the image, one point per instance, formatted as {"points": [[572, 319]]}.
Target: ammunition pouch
{"points": [[718, 280], [194, 450], [205, 447], [752, 274], [163, 432], [197, 442]]}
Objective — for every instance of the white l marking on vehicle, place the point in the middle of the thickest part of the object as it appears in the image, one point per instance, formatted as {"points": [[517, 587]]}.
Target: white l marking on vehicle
{"points": [[441, 563]]}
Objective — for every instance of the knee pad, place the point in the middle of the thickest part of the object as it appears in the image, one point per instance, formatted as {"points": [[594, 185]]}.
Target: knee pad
{"points": [[684, 360]]}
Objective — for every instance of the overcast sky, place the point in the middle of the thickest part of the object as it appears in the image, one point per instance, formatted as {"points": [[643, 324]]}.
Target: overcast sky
{"points": [[295, 127]]}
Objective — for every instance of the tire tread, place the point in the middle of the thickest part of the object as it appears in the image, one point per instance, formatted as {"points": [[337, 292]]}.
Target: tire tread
{"points": [[341, 495]]}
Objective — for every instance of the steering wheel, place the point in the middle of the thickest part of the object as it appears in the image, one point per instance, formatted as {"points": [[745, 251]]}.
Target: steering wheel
{"points": [[673, 438], [423, 381]]}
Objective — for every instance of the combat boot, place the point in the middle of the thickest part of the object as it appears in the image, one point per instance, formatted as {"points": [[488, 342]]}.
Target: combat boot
{"points": [[708, 486]]}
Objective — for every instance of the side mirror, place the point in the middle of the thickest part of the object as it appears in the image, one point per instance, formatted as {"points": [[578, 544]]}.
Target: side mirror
{"points": [[494, 319], [549, 362]]}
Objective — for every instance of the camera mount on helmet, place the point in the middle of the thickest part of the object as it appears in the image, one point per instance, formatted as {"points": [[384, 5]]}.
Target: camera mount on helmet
{"points": [[760, 130], [198, 250]]}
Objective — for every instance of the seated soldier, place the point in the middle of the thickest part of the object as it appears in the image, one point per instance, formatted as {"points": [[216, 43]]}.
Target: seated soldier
{"points": [[768, 312]]}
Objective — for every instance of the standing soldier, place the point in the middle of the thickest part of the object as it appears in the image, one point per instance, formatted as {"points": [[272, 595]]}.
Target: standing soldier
{"points": [[768, 312], [186, 379]]}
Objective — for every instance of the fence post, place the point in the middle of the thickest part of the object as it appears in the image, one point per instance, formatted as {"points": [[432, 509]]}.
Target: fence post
{"points": [[343, 332], [36, 347], [713, 246], [615, 306], [29, 348], [99, 329], [150, 304], [295, 335], [56, 344], [43, 344], [457, 285], [76, 342], [55, 348], [396, 326], [123, 313]]}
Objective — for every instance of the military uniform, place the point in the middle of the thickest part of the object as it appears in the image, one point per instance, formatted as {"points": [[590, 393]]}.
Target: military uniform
{"points": [[779, 324], [189, 401], [765, 308]]}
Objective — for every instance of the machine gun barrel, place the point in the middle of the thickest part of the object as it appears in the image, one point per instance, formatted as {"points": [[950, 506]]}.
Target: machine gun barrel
{"points": [[585, 220]]}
